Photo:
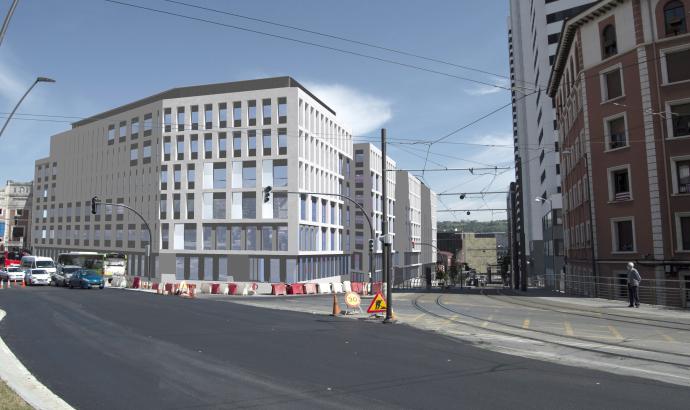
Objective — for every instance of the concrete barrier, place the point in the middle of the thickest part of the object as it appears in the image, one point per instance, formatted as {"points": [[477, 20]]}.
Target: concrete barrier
{"points": [[278, 289], [295, 289], [310, 289], [323, 288], [347, 286], [337, 287]]}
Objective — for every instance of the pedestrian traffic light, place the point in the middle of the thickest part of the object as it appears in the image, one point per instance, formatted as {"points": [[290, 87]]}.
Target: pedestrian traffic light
{"points": [[371, 245], [267, 194], [94, 202]]}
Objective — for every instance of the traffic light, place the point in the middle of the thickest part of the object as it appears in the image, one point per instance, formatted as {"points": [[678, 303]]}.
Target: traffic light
{"points": [[462, 196], [371, 245], [267, 194], [94, 202]]}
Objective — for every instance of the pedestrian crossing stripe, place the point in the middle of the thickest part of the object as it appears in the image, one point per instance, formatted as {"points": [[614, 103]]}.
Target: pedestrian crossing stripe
{"points": [[378, 304]]}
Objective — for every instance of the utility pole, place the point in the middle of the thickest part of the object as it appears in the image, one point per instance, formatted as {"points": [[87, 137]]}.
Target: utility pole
{"points": [[386, 238], [521, 210]]}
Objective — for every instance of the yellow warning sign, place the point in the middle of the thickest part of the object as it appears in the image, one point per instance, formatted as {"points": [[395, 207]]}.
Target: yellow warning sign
{"points": [[378, 305], [352, 299]]}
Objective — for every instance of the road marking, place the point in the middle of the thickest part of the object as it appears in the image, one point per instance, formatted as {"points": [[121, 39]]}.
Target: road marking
{"points": [[525, 324], [418, 317], [668, 338], [488, 319], [568, 329], [615, 332]]}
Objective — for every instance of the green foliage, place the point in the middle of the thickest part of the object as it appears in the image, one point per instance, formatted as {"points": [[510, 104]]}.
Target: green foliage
{"points": [[473, 226]]}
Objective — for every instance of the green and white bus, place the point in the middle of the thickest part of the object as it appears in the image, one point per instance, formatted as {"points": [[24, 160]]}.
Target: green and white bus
{"points": [[86, 260]]}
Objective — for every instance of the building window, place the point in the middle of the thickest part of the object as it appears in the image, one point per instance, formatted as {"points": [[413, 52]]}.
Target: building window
{"points": [[266, 141], [133, 154], [123, 131], [223, 115], [250, 243], [219, 176], [251, 143], [176, 206], [163, 206], [167, 148], [191, 176], [189, 236], [195, 117], [219, 205], [282, 110], [623, 235], [251, 113], [282, 141], [236, 238], [608, 41], [283, 238], [167, 119], [236, 144], [147, 152], [680, 168], [266, 111], [177, 176], [190, 206], [180, 118], [674, 18], [208, 116], [194, 147], [222, 145], [314, 209], [267, 238], [208, 146], [616, 132], [111, 133], [237, 114], [180, 147], [248, 205], [249, 174], [679, 119], [612, 84], [619, 184], [683, 231], [135, 127], [280, 173], [280, 205]]}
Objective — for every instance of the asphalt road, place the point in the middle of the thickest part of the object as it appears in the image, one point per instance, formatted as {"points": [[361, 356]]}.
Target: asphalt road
{"points": [[116, 349]]}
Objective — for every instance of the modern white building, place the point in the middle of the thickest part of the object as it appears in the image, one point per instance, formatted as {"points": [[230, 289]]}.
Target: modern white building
{"points": [[368, 192], [534, 27], [193, 161], [408, 227], [15, 214]]}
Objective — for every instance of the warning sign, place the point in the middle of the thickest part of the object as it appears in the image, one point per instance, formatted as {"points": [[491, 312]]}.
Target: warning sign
{"points": [[378, 305], [352, 299]]}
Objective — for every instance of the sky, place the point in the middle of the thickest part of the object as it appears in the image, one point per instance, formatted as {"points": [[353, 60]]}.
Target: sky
{"points": [[103, 55]]}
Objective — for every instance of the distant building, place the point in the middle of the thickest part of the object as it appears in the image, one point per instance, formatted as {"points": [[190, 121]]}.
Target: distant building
{"points": [[15, 215], [479, 251], [621, 82]]}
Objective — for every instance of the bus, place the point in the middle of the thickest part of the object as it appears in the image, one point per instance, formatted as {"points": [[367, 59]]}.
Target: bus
{"points": [[86, 260], [115, 264]]}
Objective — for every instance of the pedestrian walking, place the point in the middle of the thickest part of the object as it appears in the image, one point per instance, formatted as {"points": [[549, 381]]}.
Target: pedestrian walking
{"points": [[634, 280]]}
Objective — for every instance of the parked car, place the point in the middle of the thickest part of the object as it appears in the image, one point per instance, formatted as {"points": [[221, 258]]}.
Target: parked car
{"points": [[63, 274], [11, 273], [36, 277], [86, 279]]}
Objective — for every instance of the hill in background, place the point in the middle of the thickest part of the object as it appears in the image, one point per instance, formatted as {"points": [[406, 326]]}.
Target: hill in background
{"points": [[473, 226]]}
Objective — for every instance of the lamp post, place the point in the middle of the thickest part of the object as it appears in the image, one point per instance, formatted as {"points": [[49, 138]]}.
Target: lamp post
{"points": [[38, 80], [553, 239]]}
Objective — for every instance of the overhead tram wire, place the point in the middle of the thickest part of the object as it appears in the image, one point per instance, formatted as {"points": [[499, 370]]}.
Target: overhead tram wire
{"points": [[309, 43]]}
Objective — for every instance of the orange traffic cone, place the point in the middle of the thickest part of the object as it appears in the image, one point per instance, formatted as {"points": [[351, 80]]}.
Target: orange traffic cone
{"points": [[23, 284], [2, 284], [336, 306]]}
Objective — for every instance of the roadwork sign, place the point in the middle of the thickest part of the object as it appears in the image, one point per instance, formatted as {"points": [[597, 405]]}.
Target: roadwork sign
{"points": [[378, 305], [352, 299]]}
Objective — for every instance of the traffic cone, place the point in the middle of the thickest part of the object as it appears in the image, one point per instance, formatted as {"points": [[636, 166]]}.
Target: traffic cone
{"points": [[23, 284], [2, 285], [336, 306]]}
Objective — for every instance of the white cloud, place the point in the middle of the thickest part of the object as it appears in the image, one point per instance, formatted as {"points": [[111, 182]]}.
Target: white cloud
{"points": [[11, 86], [361, 112], [488, 89]]}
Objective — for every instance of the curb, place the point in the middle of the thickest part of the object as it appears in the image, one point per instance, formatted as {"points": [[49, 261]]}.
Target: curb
{"points": [[22, 382]]}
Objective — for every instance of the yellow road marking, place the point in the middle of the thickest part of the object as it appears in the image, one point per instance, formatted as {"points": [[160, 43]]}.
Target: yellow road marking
{"points": [[668, 338], [488, 319], [525, 324], [417, 318], [568, 329], [615, 332]]}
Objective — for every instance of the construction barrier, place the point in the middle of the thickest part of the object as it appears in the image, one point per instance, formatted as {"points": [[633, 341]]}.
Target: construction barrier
{"points": [[376, 288], [232, 288], [357, 287], [295, 289], [278, 289], [136, 282], [155, 286], [323, 288], [347, 286], [192, 290], [215, 288], [169, 288], [310, 288], [337, 287]]}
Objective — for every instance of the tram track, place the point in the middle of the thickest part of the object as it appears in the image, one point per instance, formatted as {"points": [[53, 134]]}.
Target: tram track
{"points": [[594, 346]]}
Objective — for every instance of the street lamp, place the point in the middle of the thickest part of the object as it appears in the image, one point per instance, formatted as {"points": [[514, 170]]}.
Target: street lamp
{"points": [[38, 80], [553, 237]]}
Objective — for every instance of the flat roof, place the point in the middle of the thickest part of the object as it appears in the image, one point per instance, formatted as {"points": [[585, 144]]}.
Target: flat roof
{"points": [[206, 89]]}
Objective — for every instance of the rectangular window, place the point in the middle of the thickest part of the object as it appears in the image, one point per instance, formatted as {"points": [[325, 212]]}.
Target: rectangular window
{"points": [[683, 231], [147, 152], [280, 205], [194, 146], [111, 133], [266, 111], [303, 207], [621, 185], [167, 120], [236, 206], [678, 66], [266, 141], [180, 147], [133, 154], [176, 206], [208, 237], [195, 117], [208, 116], [191, 176], [613, 85], [123, 131], [236, 144], [624, 239], [280, 173], [282, 110], [222, 145], [221, 237], [189, 236], [251, 143], [248, 205], [167, 149], [148, 124], [681, 175], [180, 119], [250, 243], [616, 133], [163, 206], [207, 205], [314, 209], [208, 146], [190, 206], [177, 176], [267, 238], [237, 114], [219, 178], [135, 128], [223, 115], [680, 119], [283, 238], [249, 174], [251, 113], [236, 238], [219, 205], [282, 141]]}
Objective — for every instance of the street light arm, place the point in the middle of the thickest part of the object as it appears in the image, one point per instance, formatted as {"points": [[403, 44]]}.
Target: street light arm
{"points": [[38, 80]]}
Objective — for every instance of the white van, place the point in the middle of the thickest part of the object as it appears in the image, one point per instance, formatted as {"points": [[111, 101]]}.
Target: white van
{"points": [[38, 262]]}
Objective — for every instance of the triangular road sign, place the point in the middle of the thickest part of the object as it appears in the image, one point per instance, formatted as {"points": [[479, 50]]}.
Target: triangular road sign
{"points": [[378, 304]]}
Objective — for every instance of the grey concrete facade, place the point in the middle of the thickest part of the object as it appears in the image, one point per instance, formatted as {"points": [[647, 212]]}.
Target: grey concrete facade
{"points": [[15, 215]]}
